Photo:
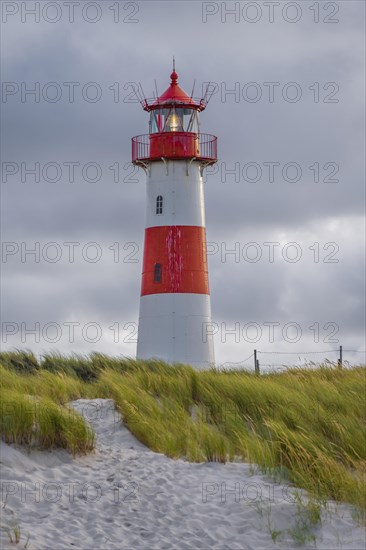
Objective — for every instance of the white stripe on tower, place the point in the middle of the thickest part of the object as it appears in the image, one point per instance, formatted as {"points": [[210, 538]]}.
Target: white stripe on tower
{"points": [[183, 199]]}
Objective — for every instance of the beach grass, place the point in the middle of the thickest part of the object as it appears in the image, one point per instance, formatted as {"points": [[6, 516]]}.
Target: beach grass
{"points": [[40, 422], [305, 426]]}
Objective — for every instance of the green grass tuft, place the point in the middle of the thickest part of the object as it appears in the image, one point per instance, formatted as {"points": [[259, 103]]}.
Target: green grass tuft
{"points": [[42, 423]]}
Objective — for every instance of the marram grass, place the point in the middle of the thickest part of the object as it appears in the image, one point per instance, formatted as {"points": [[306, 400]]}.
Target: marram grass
{"points": [[305, 425], [40, 422]]}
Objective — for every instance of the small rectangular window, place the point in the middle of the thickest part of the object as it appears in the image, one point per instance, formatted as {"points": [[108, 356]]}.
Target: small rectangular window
{"points": [[157, 273], [159, 205]]}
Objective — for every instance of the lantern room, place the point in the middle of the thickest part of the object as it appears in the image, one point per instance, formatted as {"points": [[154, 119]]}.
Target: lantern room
{"points": [[174, 131], [174, 119]]}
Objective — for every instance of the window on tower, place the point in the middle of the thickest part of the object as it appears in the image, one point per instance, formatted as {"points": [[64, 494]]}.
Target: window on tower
{"points": [[159, 204], [157, 273]]}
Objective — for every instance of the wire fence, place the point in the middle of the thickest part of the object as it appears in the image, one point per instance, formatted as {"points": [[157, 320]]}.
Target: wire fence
{"points": [[256, 362]]}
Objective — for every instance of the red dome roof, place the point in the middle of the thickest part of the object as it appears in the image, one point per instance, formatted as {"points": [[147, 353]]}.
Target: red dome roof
{"points": [[174, 95]]}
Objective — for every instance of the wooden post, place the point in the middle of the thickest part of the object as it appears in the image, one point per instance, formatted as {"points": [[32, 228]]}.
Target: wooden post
{"points": [[256, 363], [340, 360]]}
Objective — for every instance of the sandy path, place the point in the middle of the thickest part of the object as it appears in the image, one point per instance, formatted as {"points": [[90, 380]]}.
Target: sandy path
{"points": [[126, 496]]}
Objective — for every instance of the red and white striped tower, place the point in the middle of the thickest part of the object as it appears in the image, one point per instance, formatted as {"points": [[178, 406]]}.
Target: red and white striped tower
{"points": [[175, 300]]}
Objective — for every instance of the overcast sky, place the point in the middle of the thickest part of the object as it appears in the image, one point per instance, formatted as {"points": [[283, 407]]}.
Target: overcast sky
{"points": [[288, 110]]}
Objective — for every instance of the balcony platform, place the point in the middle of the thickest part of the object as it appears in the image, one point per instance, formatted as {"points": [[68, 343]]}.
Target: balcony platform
{"points": [[174, 145]]}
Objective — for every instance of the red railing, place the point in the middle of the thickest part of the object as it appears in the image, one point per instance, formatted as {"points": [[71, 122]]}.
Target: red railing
{"points": [[176, 145]]}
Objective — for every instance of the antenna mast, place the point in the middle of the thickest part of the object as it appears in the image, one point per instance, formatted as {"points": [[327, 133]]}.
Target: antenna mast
{"points": [[194, 83]]}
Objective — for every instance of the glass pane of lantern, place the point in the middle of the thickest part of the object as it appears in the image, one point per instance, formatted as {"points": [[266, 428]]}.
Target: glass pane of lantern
{"points": [[190, 120], [153, 123], [186, 115], [157, 120], [174, 121], [193, 123]]}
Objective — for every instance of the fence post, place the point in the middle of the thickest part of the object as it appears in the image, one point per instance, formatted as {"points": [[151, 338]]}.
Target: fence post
{"points": [[256, 363], [340, 360]]}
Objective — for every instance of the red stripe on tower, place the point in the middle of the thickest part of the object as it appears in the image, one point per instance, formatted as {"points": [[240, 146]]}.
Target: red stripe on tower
{"points": [[175, 260]]}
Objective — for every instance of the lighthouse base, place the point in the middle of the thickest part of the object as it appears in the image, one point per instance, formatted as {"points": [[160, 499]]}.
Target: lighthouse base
{"points": [[182, 328]]}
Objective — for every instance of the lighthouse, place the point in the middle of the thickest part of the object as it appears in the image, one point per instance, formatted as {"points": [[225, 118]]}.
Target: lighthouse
{"points": [[175, 308]]}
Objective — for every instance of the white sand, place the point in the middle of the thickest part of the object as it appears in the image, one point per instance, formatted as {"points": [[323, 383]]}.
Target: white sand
{"points": [[125, 496]]}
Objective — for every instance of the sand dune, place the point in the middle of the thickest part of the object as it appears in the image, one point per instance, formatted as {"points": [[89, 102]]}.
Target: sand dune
{"points": [[125, 496]]}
